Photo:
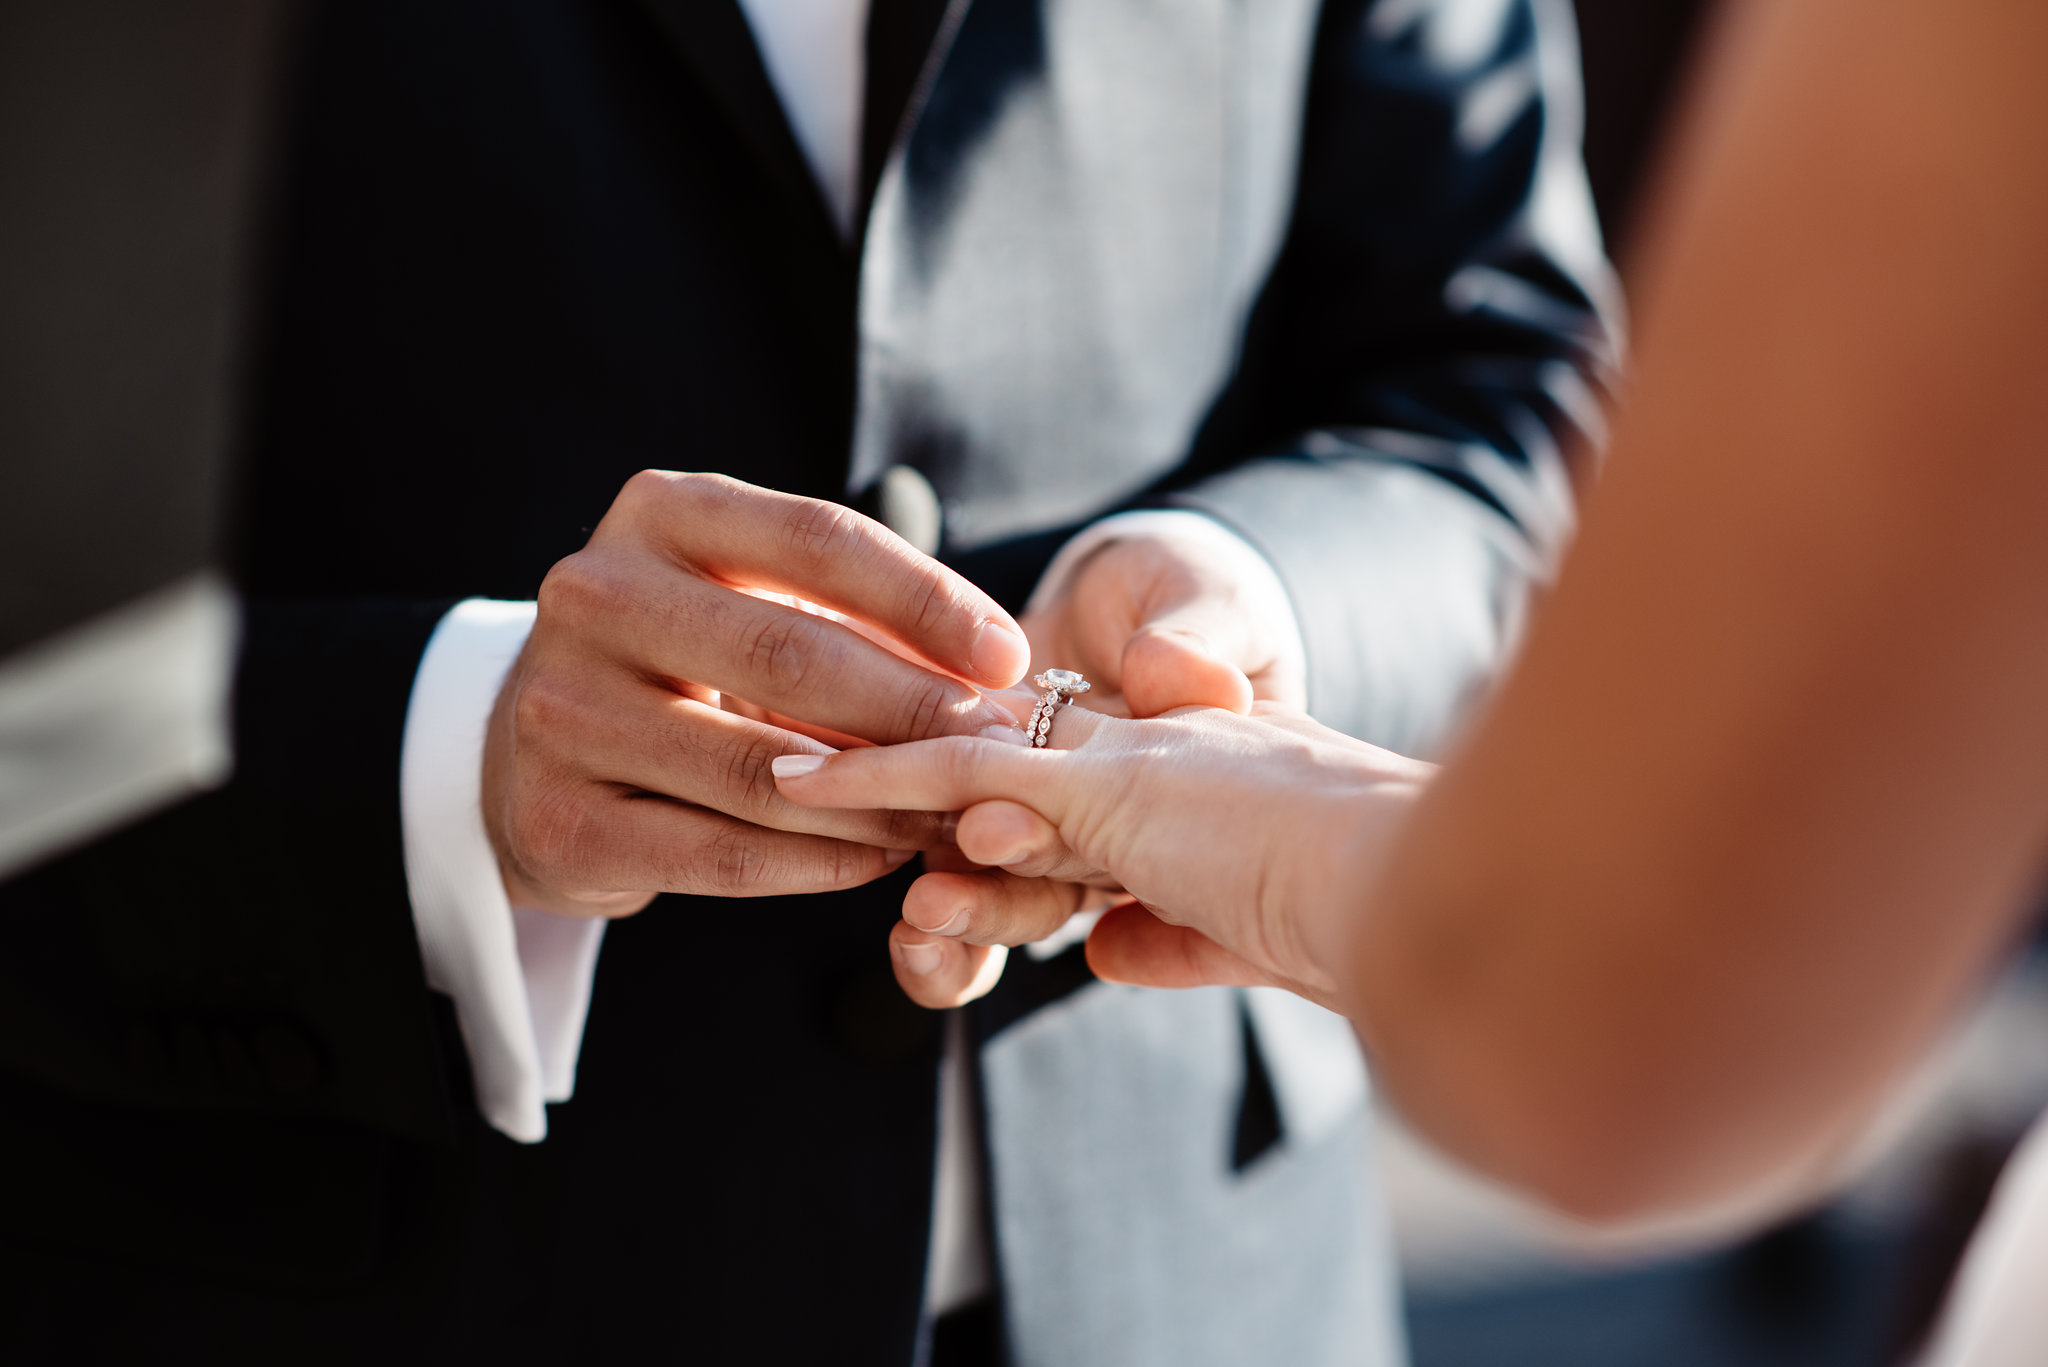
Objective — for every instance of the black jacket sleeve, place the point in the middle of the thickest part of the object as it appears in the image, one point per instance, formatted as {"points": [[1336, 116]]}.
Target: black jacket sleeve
{"points": [[1430, 352], [252, 949]]}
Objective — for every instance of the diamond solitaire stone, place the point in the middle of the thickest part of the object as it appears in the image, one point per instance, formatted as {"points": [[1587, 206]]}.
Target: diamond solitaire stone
{"points": [[1065, 680]]}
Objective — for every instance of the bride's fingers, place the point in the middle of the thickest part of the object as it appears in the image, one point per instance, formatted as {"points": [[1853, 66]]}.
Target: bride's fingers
{"points": [[1289, 718], [937, 972], [941, 775], [1300, 723], [1131, 945]]}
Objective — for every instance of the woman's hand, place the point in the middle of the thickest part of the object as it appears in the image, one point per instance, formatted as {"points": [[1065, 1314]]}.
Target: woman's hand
{"points": [[1247, 840], [1160, 616]]}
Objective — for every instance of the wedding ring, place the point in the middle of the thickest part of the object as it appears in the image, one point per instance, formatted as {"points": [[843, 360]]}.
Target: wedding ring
{"points": [[1061, 687]]}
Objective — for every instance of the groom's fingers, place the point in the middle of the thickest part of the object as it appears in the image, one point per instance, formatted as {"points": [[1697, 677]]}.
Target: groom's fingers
{"points": [[1009, 835], [937, 972], [828, 554], [1186, 659], [1006, 835], [992, 908], [1131, 945]]}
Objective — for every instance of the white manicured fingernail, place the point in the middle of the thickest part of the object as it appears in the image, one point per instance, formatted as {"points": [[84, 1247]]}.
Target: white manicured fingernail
{"points": [[1008, 735], [922, 960], [796, 766]]}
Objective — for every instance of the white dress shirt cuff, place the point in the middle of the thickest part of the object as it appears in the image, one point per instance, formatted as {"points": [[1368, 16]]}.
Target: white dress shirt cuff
{"points": [[1996, 1315], [520, 979]]}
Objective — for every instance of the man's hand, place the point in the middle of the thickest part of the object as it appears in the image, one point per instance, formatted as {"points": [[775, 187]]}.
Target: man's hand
{"points": [[629, 750], [1159, 621], [1156, 622]]}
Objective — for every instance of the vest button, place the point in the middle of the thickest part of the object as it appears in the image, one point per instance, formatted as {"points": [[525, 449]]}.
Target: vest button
{"points": [[904, 501]]}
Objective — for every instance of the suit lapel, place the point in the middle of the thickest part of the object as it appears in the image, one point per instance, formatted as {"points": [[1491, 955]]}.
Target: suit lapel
{"points": [[713, 37], [906, 45]]}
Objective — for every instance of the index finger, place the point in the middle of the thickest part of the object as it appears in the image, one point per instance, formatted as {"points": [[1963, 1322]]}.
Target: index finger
{"points": [[831, 555], [942, 775]]}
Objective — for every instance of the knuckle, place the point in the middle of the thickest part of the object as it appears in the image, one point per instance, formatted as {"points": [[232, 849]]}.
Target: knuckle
{"points": [[547, 832], [542, 707], [571, 589], [650, 486], [932, 605], [778, 652], [846, 864], [749, 777], [669, 500], [706, 494], [709, 484], [927, 710], [732, 862], [819, 531]]}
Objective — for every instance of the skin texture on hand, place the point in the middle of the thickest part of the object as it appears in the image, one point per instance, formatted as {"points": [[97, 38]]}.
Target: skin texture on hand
{"points": [[628, 751], [1155, 622], [1246, 839]]}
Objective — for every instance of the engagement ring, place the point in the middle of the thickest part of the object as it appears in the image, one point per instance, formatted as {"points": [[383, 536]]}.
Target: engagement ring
{"points": [[1061, 687]]}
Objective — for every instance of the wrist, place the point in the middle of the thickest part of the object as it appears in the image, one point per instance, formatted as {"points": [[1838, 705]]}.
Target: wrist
{"points": [[1335, 875]]}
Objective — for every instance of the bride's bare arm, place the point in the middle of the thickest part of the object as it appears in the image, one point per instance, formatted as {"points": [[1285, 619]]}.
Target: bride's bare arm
{"points": [[1769, 787]]}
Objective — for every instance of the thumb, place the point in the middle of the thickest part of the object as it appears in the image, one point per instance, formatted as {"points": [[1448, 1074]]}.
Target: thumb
{"points": [[1190, 656]]}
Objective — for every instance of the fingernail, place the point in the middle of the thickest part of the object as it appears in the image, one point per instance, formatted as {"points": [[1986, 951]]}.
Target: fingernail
{"points": [[998, 653], [922, 959], [796, 766], [1008, 735], [898, 858], [954, 925]]}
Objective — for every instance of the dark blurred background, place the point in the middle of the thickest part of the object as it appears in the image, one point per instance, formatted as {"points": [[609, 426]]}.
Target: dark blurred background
{"points": [[1637, 55], [1854, 1281], [133, 141]]}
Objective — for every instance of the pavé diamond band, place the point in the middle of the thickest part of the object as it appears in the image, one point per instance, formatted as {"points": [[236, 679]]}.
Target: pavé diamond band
{"points": [[1061, 687]]}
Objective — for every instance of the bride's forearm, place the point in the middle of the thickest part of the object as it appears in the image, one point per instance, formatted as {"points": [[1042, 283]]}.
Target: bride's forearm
{"points": [[1768, 790]]}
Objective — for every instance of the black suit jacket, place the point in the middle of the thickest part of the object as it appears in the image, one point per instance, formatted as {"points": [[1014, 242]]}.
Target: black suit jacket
{"points": [[1327, 276]]}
